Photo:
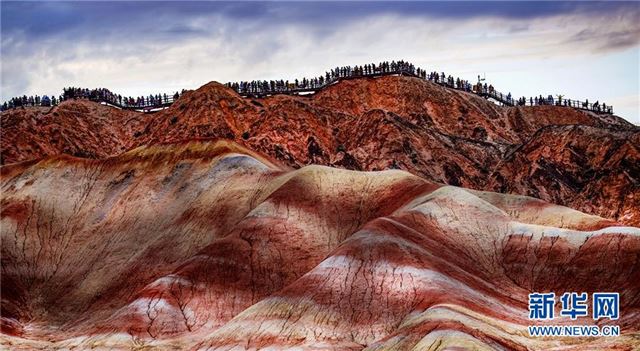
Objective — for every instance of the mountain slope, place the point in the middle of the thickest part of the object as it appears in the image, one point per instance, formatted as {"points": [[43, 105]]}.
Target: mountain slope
{"points": [[205, 245], [440, 134]]}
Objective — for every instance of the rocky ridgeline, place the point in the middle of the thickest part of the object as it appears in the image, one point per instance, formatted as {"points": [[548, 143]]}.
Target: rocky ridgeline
{"points": [[579, 159]]}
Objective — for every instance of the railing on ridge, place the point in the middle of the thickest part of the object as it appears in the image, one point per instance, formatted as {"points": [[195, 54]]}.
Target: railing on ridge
{"points": [[259, 89]]}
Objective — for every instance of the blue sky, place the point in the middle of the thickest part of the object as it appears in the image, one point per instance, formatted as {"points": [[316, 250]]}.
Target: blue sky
{"points": [[578, 49]]}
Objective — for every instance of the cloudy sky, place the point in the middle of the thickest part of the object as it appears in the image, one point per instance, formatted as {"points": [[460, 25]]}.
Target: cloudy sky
{"points": [[578, 49]]}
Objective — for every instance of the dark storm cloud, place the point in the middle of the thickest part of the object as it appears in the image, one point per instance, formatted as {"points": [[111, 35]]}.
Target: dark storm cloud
{"points": [[39, 20], [620, 38], [28, 26]]}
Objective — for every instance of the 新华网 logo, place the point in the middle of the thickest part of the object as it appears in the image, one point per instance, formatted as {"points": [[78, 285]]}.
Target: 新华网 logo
{"points": [[604, 305]]}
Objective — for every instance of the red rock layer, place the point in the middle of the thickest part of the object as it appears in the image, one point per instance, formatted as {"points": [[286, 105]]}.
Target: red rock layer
{"points": [[78, 128], [557, 154], [205, 245]]}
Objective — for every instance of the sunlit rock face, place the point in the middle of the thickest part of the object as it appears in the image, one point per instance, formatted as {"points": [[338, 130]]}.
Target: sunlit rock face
{"points": [[577, 159], [209, 246]]}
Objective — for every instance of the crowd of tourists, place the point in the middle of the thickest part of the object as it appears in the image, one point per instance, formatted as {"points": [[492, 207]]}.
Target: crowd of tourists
{"points": [[264, 87], [561, 101], [98, 95], [448, 81], [105, 95], [489, 90], [34, 100], [257, 88]]}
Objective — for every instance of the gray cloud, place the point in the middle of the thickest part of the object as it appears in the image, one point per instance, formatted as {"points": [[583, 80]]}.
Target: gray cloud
{"points": [[603, 39]]}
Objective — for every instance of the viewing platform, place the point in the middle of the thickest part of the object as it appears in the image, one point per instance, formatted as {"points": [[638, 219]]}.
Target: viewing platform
{"points": [[306, 86]]}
